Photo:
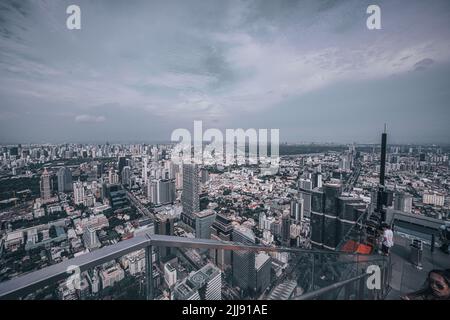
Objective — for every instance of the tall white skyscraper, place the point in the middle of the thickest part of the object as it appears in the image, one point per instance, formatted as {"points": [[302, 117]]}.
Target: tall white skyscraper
{"points": [[46, 192], [170, 275], [78, 193], [145, 169]]}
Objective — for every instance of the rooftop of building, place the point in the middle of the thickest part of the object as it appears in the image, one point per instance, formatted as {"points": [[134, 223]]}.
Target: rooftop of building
{"points": [[405, 276], [205, 213]]}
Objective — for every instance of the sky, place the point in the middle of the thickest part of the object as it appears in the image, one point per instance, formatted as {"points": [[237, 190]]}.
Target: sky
{"points": [[137, 70]]}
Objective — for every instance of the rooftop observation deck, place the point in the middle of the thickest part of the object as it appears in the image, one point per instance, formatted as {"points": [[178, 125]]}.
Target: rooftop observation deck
{"points": [[319, 274], [406, 277]]}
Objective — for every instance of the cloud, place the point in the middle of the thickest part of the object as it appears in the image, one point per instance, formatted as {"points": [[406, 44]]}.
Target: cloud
{"points": [[423, 64], [86, 118], [209, 60]]}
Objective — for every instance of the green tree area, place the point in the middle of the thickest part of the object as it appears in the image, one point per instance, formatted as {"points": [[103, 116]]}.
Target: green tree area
{"points": [[19, 224], [9, 187]]}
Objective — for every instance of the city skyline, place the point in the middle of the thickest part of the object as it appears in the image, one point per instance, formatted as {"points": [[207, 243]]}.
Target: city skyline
{"points": [[135, 73]]}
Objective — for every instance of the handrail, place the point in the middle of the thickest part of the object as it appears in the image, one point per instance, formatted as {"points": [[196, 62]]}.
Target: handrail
{"points": [[340, 284], [39, 278], [334, 286], [346, 236]]}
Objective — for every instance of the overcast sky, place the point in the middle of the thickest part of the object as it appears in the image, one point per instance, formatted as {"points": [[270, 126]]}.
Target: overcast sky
{"points": [[139, 69]]}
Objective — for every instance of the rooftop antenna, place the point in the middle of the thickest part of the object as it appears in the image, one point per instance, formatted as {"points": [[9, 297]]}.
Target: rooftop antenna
{"points": [[381, 190]]}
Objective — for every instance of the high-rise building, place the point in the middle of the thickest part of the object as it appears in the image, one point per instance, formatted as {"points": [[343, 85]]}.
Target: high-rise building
{"points": [[262, 272], [113, 177], [64, 180], [164, 225], [332, 191], [297, 209], [46, 192], [350, 210], [317, 217], [161, 192], [152, 191], [305, 184], [243, 261], [204, 284], [317, 180], [205, 175], [145, 169], [166, 191], [90, 238], [121, 163], [170, 275], [203, 222], [78, 193], [221, 230], [305, 195], [285, 228], [403, 202], [190, 196], [117, 196], [345, 162], [126, 176]]}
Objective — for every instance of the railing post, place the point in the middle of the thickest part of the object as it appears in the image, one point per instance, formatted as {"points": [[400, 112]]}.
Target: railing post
{"points": [[362, 287], [149, 271], [312, 271]]}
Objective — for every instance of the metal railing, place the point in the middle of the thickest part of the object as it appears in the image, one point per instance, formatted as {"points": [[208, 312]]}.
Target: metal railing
{"points": [[24, 284], [361, 291]]}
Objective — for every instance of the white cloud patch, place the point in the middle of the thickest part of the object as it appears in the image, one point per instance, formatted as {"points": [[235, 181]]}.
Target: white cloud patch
{"points": [[86, 118], [207, 60]]}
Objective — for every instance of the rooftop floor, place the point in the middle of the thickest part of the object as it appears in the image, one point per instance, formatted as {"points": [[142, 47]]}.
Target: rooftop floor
{"points": [[405, 276]]}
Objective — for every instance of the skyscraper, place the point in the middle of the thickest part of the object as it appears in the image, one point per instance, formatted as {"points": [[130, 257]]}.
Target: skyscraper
{"points": [[285, 228], [317, 180], [221, 230], [243, 261], [46, 192], [126, 176], [205, 175], [166, 191], [113, 177], [190, 196], [262, 272], [305, 195], [332, 193], [161, 191], [145, 169], [122, 162], [317, 217], [78, 193], [297, 209], [64, 180], [403, 202], [203, 222], [164, 225]]}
